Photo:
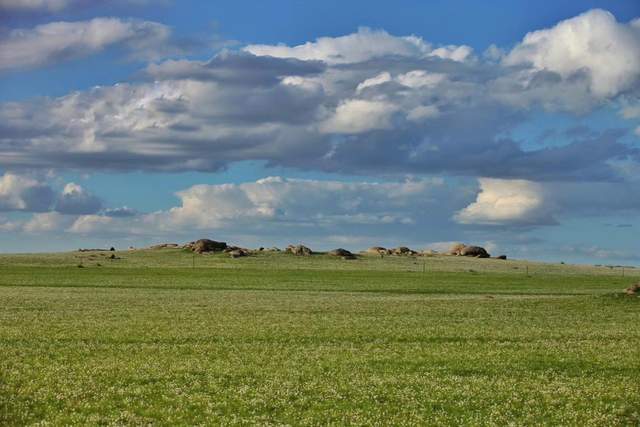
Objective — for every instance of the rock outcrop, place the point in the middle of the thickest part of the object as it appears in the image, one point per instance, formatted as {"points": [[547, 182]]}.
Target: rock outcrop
{"points": [[299, 250], [206, 245], [403, 251], [460, 249]]}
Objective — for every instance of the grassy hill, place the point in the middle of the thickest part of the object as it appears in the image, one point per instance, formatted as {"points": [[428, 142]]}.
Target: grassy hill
{"points": [[165, 337]]}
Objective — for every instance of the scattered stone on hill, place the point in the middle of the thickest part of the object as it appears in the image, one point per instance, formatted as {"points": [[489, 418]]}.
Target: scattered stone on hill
{"points": [[501, 257], [238, 253], [456, 249], [377, 250], [112, 249], [230, 249], [340, 252], [299, 250], [633, 290], [165, 246], [206, 245], [403, 250], [461, 249]]}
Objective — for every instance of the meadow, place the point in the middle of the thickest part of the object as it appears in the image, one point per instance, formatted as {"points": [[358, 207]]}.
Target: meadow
{"points": [[168, 338]]}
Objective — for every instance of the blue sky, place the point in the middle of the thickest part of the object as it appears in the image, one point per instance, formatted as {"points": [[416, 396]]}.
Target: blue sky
{"points": [[508, 124]]}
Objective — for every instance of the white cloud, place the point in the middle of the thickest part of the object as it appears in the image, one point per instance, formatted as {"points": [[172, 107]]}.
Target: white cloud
{"points": [[452, 52], [519, 202], [91, 224], [593, 42], [357, 47], [374, 81], [297, 202], [58, 41], [422, 112], [357, 115], [46, 222], [362, 46], [499, 201], [420, 78]]}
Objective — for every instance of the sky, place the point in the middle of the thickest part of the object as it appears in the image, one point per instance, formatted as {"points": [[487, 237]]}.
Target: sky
{"points": [[505, 124]]}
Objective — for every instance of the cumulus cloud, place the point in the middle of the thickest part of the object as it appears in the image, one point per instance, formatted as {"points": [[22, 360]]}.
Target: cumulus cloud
{"points": [[301, 202], [358, 115], [28, 194], [415, 212], [594, 42], [361, 46], [514, 202], [277, 209], [502, 202], [18, 193], [90, 224], [59, 41], [383, 77], [46, 222]]}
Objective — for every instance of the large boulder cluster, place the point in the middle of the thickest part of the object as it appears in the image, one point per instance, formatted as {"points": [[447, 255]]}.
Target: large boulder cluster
{"points": [[206, 245], [461, 249]]}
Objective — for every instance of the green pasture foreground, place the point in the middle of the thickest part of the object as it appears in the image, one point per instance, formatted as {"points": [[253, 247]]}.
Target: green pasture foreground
{"points": [[166, 338]]}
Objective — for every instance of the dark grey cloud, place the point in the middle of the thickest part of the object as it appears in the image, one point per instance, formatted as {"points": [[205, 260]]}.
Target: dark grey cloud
{"points": [[75, 200], [30, 194], [123, 212], [236, 68], [18, 193]]}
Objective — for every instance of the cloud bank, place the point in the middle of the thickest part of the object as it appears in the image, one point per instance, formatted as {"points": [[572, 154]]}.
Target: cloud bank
{"points": [[368, 103]]}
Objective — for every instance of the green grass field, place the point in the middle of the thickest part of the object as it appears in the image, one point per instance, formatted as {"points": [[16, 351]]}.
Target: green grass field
{"points": [[163, 337]]}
